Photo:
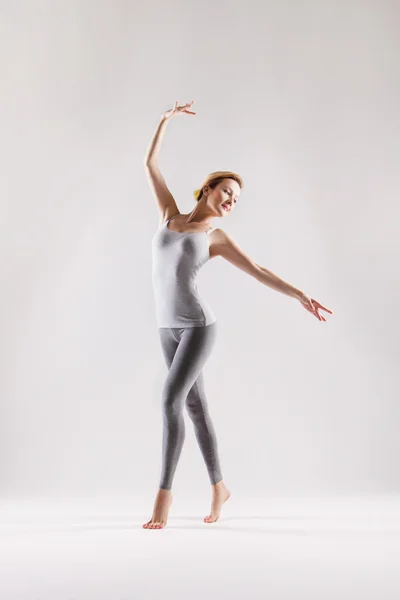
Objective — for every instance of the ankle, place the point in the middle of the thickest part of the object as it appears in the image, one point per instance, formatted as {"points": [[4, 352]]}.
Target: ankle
{"points": [[218, 485]]}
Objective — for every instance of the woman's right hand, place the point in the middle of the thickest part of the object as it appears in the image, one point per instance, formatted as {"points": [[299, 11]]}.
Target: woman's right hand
{"points": [[313, 306], [176, 110]]}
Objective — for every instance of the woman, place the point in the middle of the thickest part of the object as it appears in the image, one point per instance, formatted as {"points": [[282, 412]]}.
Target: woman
{"points": [[186, 324]]}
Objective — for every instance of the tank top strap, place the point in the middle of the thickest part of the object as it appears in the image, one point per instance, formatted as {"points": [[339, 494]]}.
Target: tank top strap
{"points": [[170, 219], [210, 230]]}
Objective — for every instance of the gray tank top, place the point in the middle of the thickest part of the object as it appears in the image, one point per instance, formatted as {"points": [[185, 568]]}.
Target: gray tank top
{"points": [[177, 258]]}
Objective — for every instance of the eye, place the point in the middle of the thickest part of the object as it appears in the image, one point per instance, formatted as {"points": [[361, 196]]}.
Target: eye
{"points": [[229, 194]]}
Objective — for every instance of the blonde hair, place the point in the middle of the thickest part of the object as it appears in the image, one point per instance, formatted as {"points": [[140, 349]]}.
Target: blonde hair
{"points": [[213, 179]]}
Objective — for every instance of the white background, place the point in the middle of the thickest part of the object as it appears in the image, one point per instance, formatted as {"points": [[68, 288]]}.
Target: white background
{"points": [[301, 99]]}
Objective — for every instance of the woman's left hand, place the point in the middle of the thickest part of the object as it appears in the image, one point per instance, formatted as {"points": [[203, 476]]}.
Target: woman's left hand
{"points": [[313, 306]]}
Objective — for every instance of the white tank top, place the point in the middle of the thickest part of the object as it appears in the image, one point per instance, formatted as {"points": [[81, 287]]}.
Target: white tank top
{"points": [[177, 258]]}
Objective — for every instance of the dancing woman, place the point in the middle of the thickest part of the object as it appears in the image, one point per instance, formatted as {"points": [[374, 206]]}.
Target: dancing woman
{"points": [[186, 324]]}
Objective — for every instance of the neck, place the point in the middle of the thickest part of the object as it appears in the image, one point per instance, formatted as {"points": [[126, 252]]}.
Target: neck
{"points": [[200, 214]]}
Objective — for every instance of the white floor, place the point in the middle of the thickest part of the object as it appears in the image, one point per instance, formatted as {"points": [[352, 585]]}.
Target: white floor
{"points": [[342, 549]]}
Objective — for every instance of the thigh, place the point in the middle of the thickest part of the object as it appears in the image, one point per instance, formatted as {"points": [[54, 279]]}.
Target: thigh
{"points": [[169, 343], [194, 348]]}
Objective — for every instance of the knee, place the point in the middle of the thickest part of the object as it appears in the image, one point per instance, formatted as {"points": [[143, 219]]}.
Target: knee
{"points": [[172, 401], [191, 408], [194, 406]]}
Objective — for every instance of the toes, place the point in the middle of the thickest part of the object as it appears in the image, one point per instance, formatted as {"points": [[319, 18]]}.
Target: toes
{"points": [[210, 519], [154, 525]]}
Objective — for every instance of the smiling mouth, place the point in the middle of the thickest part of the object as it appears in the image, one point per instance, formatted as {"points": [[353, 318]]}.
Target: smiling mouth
{"points": [[225, 207]]}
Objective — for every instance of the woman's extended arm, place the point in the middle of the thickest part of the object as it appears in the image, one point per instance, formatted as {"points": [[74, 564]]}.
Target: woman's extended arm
{"points": [[153, 150], [226, 246], [276, 283], [166, 204]]}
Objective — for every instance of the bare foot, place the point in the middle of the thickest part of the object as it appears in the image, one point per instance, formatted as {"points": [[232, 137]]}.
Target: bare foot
{"points": [[160, 511], [220, 495]]}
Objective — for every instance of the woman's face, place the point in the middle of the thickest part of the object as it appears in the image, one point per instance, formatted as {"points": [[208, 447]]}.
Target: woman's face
{"points": [[224, 196]]}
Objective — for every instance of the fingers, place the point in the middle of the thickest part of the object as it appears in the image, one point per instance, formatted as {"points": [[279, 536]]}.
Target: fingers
{"points": [[184, 106], [314, 310], [313, 306], [318, 306], [323, 307]]}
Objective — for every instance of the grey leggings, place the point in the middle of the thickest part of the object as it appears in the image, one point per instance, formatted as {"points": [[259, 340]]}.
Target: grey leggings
{"points": [[186, 351]]}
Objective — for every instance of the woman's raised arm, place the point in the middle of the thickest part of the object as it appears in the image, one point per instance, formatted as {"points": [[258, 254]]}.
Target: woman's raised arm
{"points": [[165, 200]]}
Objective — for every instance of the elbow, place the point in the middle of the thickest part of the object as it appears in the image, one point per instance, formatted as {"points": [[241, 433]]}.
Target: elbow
{"points": [[149, 162]]}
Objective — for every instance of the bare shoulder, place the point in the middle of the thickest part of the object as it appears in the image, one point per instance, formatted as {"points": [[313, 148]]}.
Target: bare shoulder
{"points": [[223, 244], [218, 238]]}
